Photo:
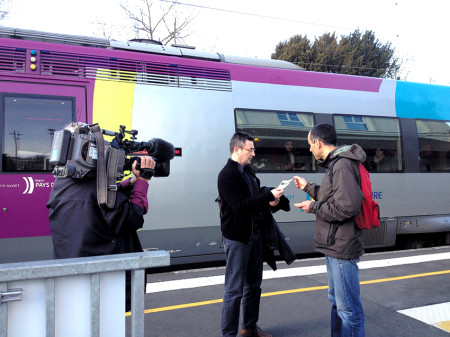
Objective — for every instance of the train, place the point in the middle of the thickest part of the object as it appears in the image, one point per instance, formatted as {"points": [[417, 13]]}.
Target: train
{"points": [[197, 100]]}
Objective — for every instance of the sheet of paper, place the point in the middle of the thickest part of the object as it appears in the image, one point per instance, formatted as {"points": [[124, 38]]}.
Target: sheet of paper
{"points": [[284, 184]]}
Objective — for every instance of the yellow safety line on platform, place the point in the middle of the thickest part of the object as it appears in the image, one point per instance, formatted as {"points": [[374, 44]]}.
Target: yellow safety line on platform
{"points": [[283, 292], [407, 277], [444, 325]]}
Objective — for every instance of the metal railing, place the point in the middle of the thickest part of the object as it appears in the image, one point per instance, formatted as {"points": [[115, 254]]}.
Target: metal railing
{"points": [[44, 286]]}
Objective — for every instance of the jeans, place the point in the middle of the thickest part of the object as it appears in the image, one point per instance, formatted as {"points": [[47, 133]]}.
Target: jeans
{"points": [[243, 277], [347, 315]]}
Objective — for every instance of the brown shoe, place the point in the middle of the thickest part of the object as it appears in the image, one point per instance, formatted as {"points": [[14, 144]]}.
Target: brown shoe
{"points": [[255, 333]]}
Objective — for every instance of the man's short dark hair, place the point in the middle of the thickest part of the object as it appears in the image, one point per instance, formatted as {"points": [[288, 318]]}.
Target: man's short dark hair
{"points": [[238, 140], [325, 133]]}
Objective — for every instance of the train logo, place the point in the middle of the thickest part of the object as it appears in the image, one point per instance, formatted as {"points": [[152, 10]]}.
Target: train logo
{"points": [[29, 185], [32, 183]]}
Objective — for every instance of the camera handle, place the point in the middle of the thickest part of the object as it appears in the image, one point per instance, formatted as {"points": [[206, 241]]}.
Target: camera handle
{"points": [[146, 172]]}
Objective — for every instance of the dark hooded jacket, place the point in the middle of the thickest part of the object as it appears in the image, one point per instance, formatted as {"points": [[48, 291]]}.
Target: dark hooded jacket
{"points": [[335, 205], [80, 227]]}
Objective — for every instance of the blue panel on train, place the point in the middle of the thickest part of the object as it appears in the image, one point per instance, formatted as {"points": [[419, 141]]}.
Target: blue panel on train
{"points": [[417, 100]]}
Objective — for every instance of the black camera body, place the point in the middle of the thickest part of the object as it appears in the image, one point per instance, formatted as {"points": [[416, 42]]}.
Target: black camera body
{"points": [[75, 153]]}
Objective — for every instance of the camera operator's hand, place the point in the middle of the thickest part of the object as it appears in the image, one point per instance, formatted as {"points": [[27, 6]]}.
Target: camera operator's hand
{"points": [[146, 162]]}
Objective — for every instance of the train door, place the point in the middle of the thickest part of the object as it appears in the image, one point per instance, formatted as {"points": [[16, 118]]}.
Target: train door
{"points": [[29, 115]]}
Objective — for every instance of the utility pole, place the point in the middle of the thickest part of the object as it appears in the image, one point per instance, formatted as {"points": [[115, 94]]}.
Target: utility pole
{"points": [[16, 136]]}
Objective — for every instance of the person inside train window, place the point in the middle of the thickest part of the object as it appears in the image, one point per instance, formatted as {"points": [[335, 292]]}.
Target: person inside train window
{"points": [[426, 158], [301, 167], [265, 163], [291, 161], [381, 161]]}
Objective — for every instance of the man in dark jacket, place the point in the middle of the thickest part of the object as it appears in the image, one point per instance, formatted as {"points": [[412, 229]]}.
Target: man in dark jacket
{"points": [[242, 205], [335, 206], [80, 227]]}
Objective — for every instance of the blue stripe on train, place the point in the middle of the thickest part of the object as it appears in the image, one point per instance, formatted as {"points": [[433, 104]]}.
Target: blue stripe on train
{"points": [[417, 100]]}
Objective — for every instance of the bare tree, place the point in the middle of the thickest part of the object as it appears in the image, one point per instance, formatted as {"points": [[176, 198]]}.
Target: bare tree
{"points": [[4, 8], [103, 30], [165, 23]]}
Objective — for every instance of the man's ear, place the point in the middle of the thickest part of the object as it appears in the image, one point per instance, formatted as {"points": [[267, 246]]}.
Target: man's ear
{"points": [[318, 143]]}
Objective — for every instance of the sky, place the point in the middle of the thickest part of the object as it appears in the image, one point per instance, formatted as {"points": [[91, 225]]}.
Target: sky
{"points": [[417, 29]]}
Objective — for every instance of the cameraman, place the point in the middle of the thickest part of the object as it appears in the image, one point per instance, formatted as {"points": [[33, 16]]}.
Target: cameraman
{"points": [[80, 227]]}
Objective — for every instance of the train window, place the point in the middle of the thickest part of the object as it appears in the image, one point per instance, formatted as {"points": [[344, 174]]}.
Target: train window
{"points": [[281, 139], [434, 145], [355, 123], [29, 123], [378, 136]]}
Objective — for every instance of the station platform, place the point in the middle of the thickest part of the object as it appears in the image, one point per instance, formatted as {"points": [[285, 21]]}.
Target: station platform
{"points": [[404, 293]]}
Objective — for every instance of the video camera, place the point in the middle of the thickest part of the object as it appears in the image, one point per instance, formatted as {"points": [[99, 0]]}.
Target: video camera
{"points": [[81, 151]]}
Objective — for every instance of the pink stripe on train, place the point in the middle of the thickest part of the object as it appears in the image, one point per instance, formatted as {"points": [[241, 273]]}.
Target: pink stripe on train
{"points": [[304, 78]]}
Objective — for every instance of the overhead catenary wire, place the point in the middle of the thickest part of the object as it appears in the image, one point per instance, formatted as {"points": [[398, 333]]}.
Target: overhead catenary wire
{"points": [[252, 14]]}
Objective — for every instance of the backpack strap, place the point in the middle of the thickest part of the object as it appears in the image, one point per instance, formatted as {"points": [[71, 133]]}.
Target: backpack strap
{"points": [[106, 196], [101, 165], [331, 167]]}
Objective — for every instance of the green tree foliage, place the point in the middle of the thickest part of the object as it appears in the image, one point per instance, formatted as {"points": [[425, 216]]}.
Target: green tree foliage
{"points": [[355, 54]]}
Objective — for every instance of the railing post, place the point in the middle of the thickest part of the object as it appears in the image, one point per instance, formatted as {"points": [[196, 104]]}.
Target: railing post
{"points": [[3, 313], [95, 305], [50, 307], [137, 302]]}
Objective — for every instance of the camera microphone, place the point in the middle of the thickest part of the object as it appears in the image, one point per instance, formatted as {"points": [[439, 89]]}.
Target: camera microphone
{"points": [[161, 149]]}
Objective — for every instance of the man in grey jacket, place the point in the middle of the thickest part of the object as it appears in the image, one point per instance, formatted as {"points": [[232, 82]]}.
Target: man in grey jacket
{"points": [[335, 206]]}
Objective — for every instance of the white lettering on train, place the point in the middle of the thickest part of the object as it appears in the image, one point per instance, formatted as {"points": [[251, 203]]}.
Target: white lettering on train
{"points": [[44, 184]]}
